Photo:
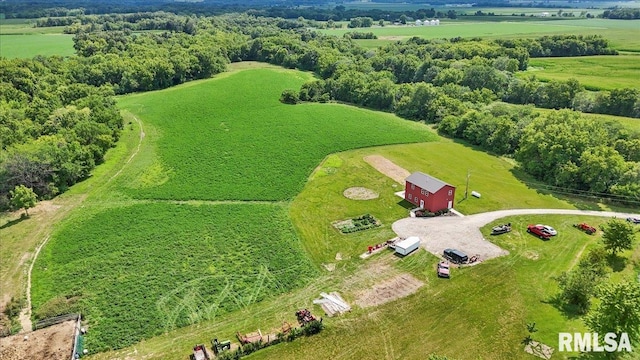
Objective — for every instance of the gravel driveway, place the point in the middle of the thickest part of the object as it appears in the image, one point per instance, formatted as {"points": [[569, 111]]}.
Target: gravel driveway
{"points": [[463, 233]]}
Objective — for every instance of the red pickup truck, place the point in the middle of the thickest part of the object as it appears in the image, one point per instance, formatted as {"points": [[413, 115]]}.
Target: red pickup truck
{"points": [[539, 231]]}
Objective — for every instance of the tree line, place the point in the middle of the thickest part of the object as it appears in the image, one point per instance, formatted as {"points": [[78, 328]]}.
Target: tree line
{"points": [[53, 130], [622, 13]]}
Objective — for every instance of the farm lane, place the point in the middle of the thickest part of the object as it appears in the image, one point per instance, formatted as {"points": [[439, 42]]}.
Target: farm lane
{"points": [[439, 233]]}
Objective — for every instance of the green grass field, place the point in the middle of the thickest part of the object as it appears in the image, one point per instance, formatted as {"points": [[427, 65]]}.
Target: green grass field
{"points": [[593, 72], [19, 39], [623, 35], [486, 306], [231, 139], [28, 46]]}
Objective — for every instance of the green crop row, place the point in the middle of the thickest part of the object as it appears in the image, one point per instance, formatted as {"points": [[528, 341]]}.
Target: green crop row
{"points": [[231, 139], [140, 270]]}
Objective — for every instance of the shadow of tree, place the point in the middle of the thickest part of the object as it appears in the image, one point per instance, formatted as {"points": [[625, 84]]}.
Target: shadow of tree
{"points": [[570, 311], [544, 189], [14, 221], [616, 262]]}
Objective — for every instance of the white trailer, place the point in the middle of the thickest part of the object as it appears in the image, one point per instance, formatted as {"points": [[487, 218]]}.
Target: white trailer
{"points": [[406, 246]]}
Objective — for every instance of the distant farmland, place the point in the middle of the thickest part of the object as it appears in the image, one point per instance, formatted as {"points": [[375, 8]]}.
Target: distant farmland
{"points": [[623, 35], [28, 46], [594, 72], [20, 39]]}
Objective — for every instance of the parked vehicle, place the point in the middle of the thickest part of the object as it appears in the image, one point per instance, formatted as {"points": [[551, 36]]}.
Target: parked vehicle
{"points": [[443, 269], [456, 256], [539, 231], [634, 220], [200, 353], [407, 246], [501, 229], [551, 231], [220, 346], [586, 228]]}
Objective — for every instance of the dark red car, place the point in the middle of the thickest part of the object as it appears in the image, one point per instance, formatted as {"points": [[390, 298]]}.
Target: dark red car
{"points": [[540, 231]]}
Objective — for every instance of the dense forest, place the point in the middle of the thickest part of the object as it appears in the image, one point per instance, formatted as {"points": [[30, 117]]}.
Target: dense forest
{"points": [[623, 14], [53, 132]]}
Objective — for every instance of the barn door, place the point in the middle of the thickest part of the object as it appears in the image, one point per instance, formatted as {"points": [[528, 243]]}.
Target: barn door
{"points": [[422, 203], [450, 204]]}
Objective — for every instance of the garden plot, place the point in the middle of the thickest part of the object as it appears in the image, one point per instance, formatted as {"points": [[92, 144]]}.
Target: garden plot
{"points": [[359, 223], [391, 289]]}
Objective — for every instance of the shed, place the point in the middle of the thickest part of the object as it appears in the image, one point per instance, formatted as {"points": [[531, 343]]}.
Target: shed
{"points": [[408, 245], [428, 192]]}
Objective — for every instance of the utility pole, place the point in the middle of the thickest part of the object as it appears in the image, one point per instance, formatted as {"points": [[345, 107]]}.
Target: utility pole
{"points": [[466, 191]]}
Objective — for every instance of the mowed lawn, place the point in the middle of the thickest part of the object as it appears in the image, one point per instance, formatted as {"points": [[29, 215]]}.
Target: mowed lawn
{"points": [[480, 313], [322, 200], [231, 139], [593, 72]]}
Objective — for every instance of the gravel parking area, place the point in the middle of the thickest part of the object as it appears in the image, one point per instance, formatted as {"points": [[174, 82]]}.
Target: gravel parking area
{"points": [[439, 233], [463, 233]]}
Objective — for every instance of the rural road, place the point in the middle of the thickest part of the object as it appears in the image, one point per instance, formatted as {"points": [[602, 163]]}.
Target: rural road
{"points": [[463, 233]]}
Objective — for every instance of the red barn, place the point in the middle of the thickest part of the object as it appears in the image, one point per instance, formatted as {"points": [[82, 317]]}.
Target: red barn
{"points": [[428, 192]]}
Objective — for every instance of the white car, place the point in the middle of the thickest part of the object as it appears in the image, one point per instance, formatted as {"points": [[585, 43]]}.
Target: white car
{"points": [[548, 229]]}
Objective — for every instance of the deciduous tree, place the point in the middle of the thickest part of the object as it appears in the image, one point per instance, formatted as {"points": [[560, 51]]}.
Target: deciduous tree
{"points": [[617, 236], [23, 197], [618, 311]]}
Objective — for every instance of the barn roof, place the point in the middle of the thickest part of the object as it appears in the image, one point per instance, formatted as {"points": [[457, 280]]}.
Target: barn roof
{"points": [[426, 182]]}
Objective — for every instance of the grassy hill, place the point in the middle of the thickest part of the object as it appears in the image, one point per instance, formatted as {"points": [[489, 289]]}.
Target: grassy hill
{"points": [[231, 139], [138, 265]]}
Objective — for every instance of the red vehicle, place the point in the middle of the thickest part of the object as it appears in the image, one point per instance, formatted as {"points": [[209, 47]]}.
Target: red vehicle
{"points": [[540, 231], [586, 228], [200, 353]]}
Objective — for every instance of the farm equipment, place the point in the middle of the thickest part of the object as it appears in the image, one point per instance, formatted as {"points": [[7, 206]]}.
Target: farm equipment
{"points": [[200, 353], [586, 228], [249, 338], [220, 346], [501, 229], [304, 317]]}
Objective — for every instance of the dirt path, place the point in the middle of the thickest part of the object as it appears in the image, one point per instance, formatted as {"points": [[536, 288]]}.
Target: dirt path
{"points": [[439, 233], [387, 167], [142, 135], [25, 314]]}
